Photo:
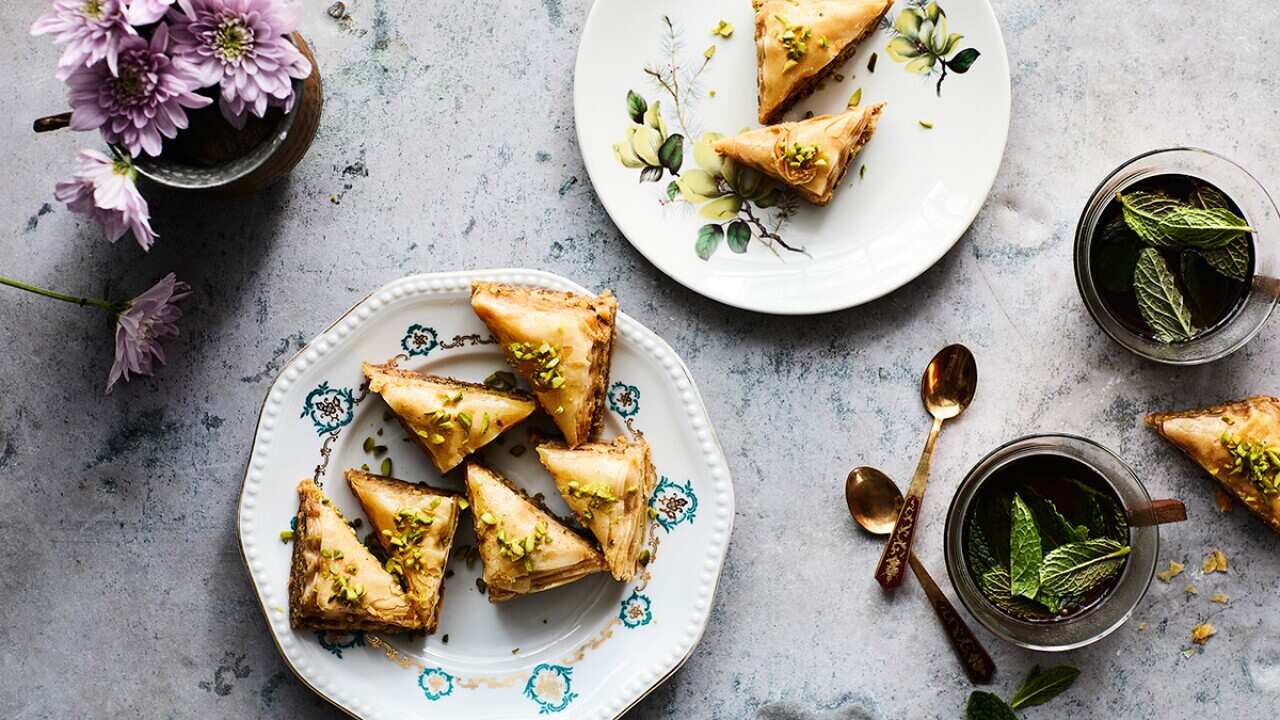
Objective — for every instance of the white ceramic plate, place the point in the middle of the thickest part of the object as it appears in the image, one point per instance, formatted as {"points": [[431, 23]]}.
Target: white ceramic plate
{"points": [[921, 189], [587, 650]]}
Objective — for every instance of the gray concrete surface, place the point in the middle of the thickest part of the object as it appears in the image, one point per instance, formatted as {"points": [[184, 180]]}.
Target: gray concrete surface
{"points": [[448, 141]]}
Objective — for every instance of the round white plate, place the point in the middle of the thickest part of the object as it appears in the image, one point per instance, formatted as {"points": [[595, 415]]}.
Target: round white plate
{"points": [[586, 650], [921, 187]]}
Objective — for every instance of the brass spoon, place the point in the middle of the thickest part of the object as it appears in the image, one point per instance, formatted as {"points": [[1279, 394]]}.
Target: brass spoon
{"points": [[873, 502], [947, 389]]}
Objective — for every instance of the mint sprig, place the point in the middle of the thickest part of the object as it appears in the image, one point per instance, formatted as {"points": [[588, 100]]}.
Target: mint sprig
{"points": [[1163, 221]]}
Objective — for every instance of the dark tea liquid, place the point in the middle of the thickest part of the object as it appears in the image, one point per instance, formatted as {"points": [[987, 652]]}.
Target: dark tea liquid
{"points": [[1211, 297], [1072, 486]]}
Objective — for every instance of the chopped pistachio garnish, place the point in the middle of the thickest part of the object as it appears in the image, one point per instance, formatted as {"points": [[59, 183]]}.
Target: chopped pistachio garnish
{"points": [[484, 426], [412, 525], [386, 466], [488, 519], [794, 39], [369, 444], [521, 549], [364, 467], [286, 536], [344, 589], [653, 514], [453, 397], [465, 421], [862, 171], [1256, 460], [644, 557], [822, 42], [723, 29], [463, 504], [855, 98], [596, 494], [709, 52], [803, 157], [542, 363], [925, 124]]}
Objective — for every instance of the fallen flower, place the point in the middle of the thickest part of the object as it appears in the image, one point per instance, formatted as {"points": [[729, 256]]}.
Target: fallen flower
{"points": [[145, 12], [140, 323], [104, 189]]}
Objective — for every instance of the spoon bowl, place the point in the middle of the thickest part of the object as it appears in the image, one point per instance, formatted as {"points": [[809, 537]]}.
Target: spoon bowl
{"points": [[949, 383], [873, 499]]}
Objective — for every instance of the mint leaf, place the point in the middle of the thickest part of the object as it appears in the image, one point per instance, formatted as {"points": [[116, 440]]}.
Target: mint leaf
{"points": [[1159, 299], [1204, 285], [979, 554], [1204, 229], [1055, 530], [1208, 197], [1162, 221], [1025, 554], [1075, 569], [985, 706], [1118, 249], [994, 584], [1041, 687], [1232, 259], [1145, 212]]}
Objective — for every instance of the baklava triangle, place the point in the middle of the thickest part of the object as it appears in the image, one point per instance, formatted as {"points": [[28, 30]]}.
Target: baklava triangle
{"points": [[1238, 443], [335, 583], [560, 342], [607, 486], [800, 42], [415, 524], [524, 549], [810, 156], [449, 418]]}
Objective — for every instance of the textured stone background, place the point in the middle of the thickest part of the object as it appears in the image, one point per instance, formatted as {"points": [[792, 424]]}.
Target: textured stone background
{"points": [[448, 141]]}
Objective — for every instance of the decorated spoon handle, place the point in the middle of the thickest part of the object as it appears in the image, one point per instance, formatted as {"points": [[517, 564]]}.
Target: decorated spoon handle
{"points": [[977, 663], [893, 561]]}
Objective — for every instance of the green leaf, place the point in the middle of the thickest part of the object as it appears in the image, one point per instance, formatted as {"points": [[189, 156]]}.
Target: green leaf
{"points": [[978, 550], [1204, 285], [1118, 249], [985, 706], [1041, 687], [636, 106], [963, 60], [1208, 197], [738, 235], [1025, 554], [1163, 221], [673, 189], [709, 237], [1075, 569], [671, 153], [1104, 515], [1159, 299], [1144, 213], [1055, 530], [994, 584], [1052, 603], [1232, 259]]}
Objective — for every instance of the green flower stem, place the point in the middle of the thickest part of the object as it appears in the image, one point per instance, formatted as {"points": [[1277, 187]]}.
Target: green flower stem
{"points": [[81, 301]]}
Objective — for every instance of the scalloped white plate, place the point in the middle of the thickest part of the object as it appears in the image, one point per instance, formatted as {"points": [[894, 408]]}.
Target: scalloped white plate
{"points": [[922, 188], [591, 649]]}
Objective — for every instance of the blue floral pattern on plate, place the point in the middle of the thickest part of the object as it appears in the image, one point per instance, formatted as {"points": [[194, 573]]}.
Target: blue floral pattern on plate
{"points": [[435, 683], [336, 642], [673, 504], [551, 687], [636, 610], [419, 340], [624, 399], [329, 408]]}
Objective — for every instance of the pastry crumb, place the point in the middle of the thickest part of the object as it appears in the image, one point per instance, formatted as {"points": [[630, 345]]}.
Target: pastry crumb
{"points": [[1222, 499], [1191, 590], [1142, 627], [1220, 598], [1175, 569], [1215, 562], [1201, 633], [1189, 652]]}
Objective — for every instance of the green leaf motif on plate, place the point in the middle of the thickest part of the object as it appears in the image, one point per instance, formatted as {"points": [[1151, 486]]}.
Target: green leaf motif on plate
{"points": [[709, 237], [986, 706], [963, 60], [636, 106], [1073, 570], [1159, 299], [1025, 553], [671, 153], [738, 235], [1041, 687]]}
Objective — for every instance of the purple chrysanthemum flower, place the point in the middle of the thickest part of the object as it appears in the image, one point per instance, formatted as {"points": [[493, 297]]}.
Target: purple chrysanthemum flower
{"points": [[242, 45], [145, 12], [139, 327], [104, 190], [92, 30], [142, 101]]}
